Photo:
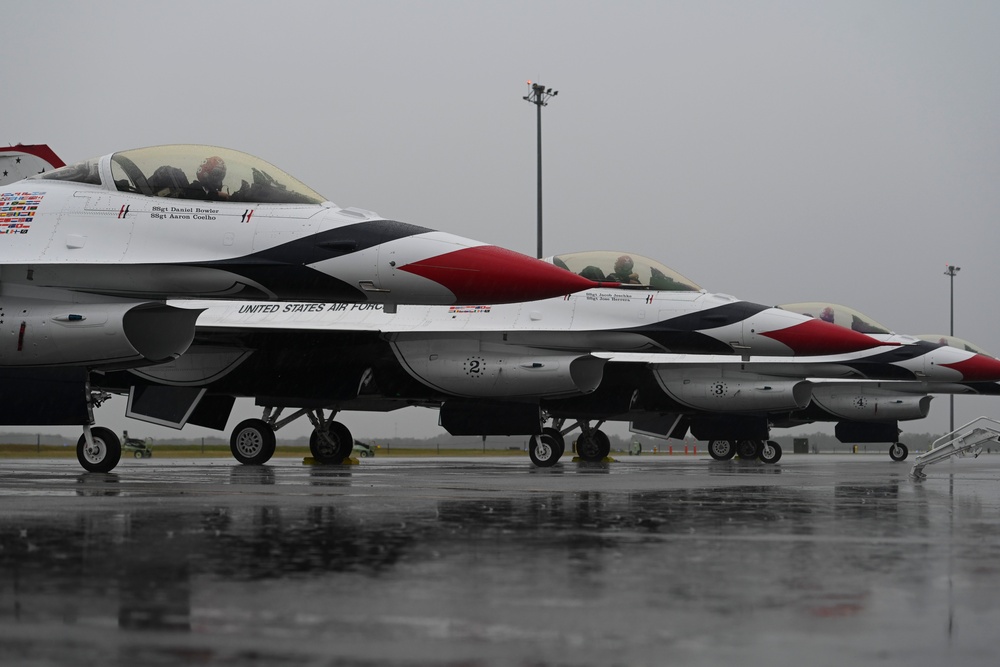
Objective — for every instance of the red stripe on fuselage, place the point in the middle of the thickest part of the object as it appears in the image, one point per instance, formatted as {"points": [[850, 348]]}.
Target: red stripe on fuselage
{"points": [[489, 274], [977, 368], [819, 337]]}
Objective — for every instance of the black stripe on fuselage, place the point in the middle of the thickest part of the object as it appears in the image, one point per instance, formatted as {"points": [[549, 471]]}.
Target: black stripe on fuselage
{"points": [[682, 334], [331, 243], [882, 364], [284, 270]]}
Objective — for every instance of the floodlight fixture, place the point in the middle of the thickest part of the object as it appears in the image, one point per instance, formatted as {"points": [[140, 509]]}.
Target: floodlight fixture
{"points": [[539, 96]]}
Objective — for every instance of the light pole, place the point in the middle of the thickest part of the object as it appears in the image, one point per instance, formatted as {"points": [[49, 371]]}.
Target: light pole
{"points": [[951, 272], [539, 96]]}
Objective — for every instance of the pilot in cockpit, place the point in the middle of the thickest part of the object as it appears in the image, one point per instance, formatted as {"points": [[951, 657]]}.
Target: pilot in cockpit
{"points": [[208, 180], [623, 271]]}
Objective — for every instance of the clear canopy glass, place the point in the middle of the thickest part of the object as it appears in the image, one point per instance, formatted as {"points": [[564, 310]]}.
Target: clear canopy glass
{"points": [[629, 269], [80, 172], [839, 315], [189, 171], [952, 341]]}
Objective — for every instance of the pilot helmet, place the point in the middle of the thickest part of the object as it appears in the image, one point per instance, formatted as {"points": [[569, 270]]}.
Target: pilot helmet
{"points": [[623, 265], [212, 171]]}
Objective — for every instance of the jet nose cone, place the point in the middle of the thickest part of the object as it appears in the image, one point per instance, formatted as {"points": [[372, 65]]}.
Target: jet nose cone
{"points": [[977, 368], [490, 274], [817, 337]]}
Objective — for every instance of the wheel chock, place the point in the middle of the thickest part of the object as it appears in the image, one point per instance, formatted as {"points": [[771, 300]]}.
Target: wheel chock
{"points": [[311, 461]]}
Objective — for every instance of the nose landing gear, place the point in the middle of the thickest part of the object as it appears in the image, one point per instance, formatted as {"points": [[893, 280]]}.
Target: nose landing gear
{"points": [[98, 449]]}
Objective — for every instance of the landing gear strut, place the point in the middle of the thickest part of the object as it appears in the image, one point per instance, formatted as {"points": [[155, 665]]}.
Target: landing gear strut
{"points": [[770, 452], [98, 449], [548, 447], [252, 441]]}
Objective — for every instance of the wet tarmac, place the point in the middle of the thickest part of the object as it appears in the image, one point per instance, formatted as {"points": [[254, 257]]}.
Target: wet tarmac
{"points": [[820, 560]]}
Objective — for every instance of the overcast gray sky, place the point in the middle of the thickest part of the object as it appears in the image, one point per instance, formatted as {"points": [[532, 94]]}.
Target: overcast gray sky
{"points": [[778, 151]]}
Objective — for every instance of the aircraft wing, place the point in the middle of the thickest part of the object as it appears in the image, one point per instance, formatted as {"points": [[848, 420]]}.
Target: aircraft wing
{"points": [[919, 362]]}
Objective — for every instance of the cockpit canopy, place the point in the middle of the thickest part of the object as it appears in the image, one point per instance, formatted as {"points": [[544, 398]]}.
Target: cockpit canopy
{"points": [[952, 341], [839, 315], [629, 269], [188, 171]]}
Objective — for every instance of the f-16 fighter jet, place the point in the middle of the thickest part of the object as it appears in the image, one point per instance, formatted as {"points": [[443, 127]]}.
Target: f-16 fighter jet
{"points": [[490, 369], [90, 252]]}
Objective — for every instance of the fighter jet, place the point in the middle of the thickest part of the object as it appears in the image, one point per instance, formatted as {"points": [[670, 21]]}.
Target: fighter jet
{"points": [[188, 221], [24, 160], [733, 406], [90, 252], [489, 368]]}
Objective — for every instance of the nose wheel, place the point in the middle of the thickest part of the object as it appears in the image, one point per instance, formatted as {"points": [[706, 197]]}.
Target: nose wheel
{"points": [[770, 452], [898, 451], [98, 449]]}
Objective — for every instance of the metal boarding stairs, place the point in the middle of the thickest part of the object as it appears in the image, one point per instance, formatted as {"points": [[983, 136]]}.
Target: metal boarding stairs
{"points": [[963, 441]]}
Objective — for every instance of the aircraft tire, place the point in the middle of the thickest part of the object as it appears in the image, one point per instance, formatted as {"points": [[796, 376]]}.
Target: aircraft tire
{"points": [[138, 455], [603, 443], [587, 447], [106, 453], [544, 450], [747, 449], [557, 437], [252, 442], [898, 451], [771, 452], [721, 450], [594, 447], [335, 452]]}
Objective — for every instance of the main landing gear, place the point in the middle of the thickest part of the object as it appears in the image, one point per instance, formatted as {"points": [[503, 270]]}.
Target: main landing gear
{"points": [[767, 451], [252, 441], [548, 447]]}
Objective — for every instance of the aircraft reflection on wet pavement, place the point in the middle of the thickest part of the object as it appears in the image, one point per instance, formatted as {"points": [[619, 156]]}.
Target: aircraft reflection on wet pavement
{"points": [[587, 577]]}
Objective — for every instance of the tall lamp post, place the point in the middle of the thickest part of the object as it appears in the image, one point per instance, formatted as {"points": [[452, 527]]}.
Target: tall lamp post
{"points": [[951, 273], [539, 96]]}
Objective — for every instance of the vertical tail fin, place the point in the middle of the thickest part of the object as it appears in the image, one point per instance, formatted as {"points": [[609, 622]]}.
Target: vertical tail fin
{"points": [[21, 161]]}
